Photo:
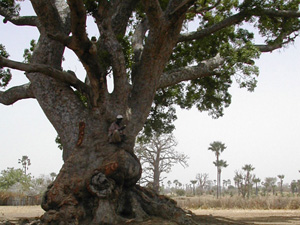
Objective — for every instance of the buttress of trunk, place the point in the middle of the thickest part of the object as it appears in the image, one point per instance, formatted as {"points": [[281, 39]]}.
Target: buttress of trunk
{"points": [[97, 185]]}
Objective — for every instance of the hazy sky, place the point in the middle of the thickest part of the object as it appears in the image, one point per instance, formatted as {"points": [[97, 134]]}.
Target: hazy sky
{"points": [[260, 128]]}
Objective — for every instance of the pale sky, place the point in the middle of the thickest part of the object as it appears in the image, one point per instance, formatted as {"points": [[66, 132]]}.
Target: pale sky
{"points": [[259, 128]]}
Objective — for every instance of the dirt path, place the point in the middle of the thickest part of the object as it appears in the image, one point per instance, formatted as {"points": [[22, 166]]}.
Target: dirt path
{"points": [[259, 217]]}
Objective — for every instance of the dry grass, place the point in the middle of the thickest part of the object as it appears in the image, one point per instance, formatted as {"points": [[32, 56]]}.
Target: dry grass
{"points": [[236, 202]]}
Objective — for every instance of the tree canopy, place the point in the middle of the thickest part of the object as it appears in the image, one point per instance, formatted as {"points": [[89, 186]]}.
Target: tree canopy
{"points": [[219, 50]]}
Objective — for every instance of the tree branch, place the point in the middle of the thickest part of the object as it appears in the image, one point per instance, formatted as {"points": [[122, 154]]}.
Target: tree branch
{"points": [[209, 7], [47, 70], [176, 6], [279, 13], [111, 44], [138, 39], [50, 18], [78, 21], [270, 47], [122, 14], [153, 11], [277, 43], [204, 69], [235, 19], [86, 51], [18, 20], [14, 94], [21, 20]]}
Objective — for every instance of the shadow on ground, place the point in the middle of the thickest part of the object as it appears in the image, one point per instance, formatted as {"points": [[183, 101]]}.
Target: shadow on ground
{"points": [[199, 219], [269, 220]]}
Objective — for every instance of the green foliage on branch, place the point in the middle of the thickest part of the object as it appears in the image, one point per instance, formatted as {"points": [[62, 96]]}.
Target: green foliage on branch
{"points": [[235, 44], [12, 7], [5, 74], [28, 52]]}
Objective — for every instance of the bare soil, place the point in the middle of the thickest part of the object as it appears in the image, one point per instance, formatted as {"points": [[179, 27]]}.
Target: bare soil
{"points": [[203, 216]]}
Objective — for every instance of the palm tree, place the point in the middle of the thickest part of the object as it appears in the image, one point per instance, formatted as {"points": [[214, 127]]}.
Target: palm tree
{"points": [[220, 164], [25, 161], [256, 181], [248, 168], [218, 147], [194, 182], [281, 177], [176, 182]]}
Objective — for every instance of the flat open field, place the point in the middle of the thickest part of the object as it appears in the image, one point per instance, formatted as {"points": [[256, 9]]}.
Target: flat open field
{"points": [[266, 217]]}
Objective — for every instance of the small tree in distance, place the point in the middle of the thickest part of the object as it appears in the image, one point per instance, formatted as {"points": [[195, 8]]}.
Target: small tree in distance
{"points": [[203, 180], [158, 156], [281, 177]]}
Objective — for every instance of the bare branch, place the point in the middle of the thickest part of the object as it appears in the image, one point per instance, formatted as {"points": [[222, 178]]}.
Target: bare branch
{"points": [[204, 69], [235, 19], [14, 94], [47, 70]]}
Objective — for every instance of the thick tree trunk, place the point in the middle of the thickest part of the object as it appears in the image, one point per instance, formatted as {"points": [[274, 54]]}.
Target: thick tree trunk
{"points": [[97, 185]]}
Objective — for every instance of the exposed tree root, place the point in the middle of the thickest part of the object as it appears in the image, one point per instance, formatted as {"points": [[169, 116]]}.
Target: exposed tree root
{"points": [[106, 194], [130, 206]]}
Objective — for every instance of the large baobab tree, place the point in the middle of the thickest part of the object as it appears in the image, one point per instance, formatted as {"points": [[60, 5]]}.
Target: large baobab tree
{"points": [[145, 45]]}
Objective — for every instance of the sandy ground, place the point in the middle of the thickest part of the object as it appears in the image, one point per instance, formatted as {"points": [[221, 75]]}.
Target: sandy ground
{"points": [[18, 212], [261, 217]]}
